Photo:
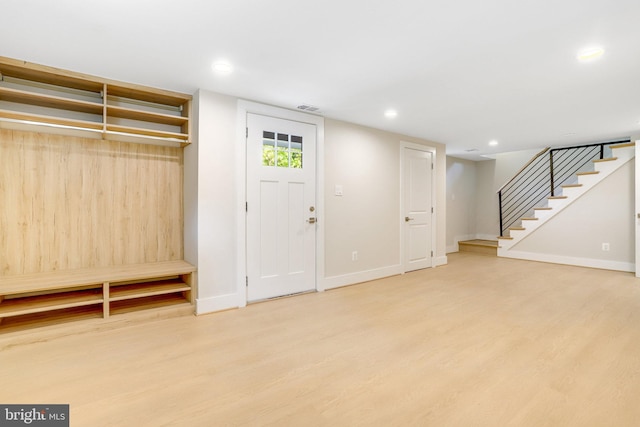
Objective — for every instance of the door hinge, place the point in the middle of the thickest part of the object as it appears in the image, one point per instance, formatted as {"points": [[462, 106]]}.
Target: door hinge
{"points": [[247, 132], [246, 281], [246, 206], [431, 254], [431, 209], [431, 166]]}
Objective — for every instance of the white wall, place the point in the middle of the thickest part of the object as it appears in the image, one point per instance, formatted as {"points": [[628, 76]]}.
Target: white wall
{"points": [[487, 212], [366, 218], [364, 160], [461, 201], [575, 235], [491, 176], [210, 201]]}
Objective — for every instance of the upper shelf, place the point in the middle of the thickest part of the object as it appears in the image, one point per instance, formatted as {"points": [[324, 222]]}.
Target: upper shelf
{"points": [[49, 101], [37, 95]]}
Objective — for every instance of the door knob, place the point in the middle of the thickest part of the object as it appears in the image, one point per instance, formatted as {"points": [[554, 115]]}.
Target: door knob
{"points": [[311, 220], [407, 219]]}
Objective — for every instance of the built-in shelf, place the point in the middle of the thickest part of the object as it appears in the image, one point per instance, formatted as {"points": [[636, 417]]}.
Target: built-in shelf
{"points": [[33, 95], [139, 290], [62, 296], [42, 303]]}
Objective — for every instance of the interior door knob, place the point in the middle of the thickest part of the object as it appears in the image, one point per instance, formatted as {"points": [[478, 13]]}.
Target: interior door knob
{"points": [[407, 219], [311, 220]]}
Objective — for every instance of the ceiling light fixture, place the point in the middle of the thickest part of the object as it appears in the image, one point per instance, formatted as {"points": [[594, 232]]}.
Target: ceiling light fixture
{"points": [[591, 53], [391, 114], [493, 143], [222, 67]]}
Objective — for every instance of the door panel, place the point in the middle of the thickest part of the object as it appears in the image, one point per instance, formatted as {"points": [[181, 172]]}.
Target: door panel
{"points": [[417, 184], [280, 200]]}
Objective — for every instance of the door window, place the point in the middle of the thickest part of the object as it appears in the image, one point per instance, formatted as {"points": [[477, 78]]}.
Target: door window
{"points": [[281, 150]]}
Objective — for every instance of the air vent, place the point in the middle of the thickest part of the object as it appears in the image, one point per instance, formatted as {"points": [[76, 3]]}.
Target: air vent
{"points": [[309, 108], [471, 150]]}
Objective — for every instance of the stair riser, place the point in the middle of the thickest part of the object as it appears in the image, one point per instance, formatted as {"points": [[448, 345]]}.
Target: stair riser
{"points": [[573, 191], [479, 249], [530, 225], [623, 153], [605, 167], [587, 180], [556, 204], [543, 214], [517, 234]]}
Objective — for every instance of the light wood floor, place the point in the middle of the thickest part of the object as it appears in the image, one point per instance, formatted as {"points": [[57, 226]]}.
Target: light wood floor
{"points": [[483, 341]]}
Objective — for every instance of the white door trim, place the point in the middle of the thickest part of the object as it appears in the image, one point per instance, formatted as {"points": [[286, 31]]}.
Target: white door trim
{"points": [[244, 108], [636, 218], [434, 220]]}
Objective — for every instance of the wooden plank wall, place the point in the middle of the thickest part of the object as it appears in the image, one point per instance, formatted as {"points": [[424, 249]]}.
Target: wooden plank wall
{"points": [[69, 202]]}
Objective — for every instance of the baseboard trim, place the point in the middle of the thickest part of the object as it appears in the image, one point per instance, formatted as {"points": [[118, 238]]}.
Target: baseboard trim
{"points": [[441, 260], [361, 276], [568, 260], [219, 303]]}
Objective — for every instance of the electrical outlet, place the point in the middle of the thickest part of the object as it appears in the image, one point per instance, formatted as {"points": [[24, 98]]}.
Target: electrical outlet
{"points": [[605, 247], [354, 256]]}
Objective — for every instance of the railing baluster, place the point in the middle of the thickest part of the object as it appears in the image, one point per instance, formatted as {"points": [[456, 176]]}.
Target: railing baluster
{"points": [[541, 176]]}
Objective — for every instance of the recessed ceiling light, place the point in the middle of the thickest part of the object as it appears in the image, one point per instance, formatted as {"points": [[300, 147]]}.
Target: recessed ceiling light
{"points": [[391, 114], [591, 53], [222, 67], [493, 143]]}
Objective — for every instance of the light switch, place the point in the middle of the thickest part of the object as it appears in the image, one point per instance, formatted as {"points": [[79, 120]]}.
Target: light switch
{"points": [[338, 191]]}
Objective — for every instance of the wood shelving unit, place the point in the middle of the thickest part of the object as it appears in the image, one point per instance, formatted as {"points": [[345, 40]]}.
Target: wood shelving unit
{"points": [[46, 299], [35, 97]]}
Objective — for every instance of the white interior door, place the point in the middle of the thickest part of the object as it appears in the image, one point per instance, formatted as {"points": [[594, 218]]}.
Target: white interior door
{"points": [[281, 199], [418, 209]]}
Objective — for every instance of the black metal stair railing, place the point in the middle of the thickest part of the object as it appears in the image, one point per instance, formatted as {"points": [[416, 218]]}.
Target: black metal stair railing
{"points": [[543, 176]]}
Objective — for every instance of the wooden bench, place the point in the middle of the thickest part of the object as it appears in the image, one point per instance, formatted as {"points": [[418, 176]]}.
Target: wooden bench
{"points": [[36, 300]]}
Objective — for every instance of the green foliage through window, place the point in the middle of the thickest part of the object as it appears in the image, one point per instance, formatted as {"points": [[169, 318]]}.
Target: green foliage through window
{"points": [[286, 152]]}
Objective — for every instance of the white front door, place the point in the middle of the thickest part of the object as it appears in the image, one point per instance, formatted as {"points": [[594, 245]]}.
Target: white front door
{"points": [[417, 209], [281, 200]]}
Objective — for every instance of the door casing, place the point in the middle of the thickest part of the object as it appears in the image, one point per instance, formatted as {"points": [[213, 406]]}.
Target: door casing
{"points": [[244, 108], [403, 146]]}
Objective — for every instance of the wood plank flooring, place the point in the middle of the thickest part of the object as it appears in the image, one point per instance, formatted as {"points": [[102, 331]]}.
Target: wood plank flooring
{"points": [[481, 341]]}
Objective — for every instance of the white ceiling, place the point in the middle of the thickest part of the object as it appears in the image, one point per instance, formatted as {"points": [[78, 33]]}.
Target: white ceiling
{"points": [[458, 72]]}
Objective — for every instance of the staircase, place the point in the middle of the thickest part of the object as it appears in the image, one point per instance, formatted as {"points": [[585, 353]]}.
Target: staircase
{"points": [[479, 246], [586, 180]]}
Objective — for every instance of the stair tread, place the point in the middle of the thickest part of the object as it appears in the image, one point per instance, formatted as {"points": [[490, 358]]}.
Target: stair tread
{"points": [[505, 238], [517, 228], [479, 242], [556, 197], [609, 159], [626, 144], [542, 209], [588, 173], [571, 185], [529, 219], [479, 246]]}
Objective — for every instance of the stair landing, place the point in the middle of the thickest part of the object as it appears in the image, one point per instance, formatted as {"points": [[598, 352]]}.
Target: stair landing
{"points": [[479, 246]]}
